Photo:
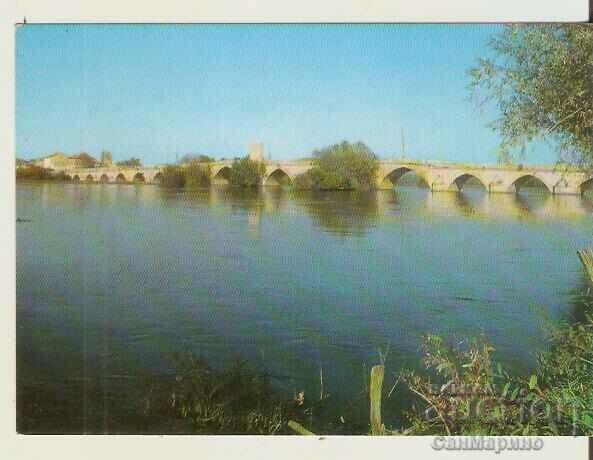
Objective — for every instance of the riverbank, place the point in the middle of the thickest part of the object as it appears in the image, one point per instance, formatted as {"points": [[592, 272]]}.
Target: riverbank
{"points": [[471, 395]]}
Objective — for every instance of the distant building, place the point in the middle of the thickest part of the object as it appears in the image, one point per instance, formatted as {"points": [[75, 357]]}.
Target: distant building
{"points": [[59, 161], [53, 161], [256, 152]]}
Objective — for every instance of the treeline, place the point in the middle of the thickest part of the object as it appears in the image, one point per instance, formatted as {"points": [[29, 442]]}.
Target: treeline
{"points": [[38, 173]]}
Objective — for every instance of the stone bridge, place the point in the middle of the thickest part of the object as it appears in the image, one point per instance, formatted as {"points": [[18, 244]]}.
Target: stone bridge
{"points": [[116, 174], [439, 176]]}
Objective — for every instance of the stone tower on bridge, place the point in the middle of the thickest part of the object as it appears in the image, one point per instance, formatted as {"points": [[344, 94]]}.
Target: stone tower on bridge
{"points": [[256, 152]]}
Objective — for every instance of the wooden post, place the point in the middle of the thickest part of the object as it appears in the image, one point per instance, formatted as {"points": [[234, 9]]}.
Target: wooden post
{"points": [[300, 429], [377, 373], [321, 383], [586, 258]]}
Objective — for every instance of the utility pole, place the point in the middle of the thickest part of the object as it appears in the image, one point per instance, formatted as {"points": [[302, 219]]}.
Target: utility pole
{"points": [[403, 144]]}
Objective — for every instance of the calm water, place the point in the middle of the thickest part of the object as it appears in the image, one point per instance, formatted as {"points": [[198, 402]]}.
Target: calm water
{"points": [[113, 280]]}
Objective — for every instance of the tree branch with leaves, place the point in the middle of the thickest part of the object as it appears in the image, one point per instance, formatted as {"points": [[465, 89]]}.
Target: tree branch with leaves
{"points": [[540, 77]]}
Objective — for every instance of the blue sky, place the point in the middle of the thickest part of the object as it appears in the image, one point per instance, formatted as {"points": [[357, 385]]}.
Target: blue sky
{"points": [[157, 92]]}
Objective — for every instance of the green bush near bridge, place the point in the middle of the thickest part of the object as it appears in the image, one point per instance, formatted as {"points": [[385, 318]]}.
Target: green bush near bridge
{"points": [[197, 175], [193, 175], [343, 166], [173, 177], [247, 173]]}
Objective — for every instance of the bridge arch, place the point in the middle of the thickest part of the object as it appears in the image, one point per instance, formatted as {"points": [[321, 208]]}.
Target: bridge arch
{"points": [[468, 179], [586, 186], [104, 178], [530, 181], [67, 177], [223, 176], [138, 178], [120, 178], [90, 178], [76, 178], [392, 178], [278, 178]]}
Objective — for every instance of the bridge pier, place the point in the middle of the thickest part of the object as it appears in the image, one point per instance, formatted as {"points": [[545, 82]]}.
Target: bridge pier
{"points": [[439, 187], [566, 190]]}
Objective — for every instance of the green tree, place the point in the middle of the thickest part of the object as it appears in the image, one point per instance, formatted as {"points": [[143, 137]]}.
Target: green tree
{"points": [[541, 78], [343, 166], [173, 177], [32, 172], [131, 163], [197, 174], [247, 173], [85, 160], [200, 158]]}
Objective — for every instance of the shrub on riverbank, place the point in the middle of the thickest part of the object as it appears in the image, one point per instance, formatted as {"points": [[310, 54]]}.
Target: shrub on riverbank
{"points": [[193, 175], [201, 400], [247, 173], [463, 392], [341, 166], [476, 396]]}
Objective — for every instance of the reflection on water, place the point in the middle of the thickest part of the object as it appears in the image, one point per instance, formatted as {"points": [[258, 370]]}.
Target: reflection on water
{"points": [[112, 280], [347, 213], [339, 212]]}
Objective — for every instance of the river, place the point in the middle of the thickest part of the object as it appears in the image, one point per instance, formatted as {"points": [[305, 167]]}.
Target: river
{"points": [[114, 280]]}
